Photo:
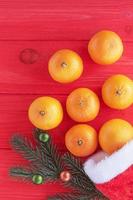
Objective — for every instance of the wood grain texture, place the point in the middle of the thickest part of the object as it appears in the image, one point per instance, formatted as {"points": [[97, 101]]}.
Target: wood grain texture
{"points": [[14, 109], [64, 20], [46, 26], [19, 78]]}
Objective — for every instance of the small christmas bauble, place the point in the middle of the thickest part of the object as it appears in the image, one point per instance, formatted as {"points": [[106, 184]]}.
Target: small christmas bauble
{"points": [[44, 137], [65, 176], [37, 179]]}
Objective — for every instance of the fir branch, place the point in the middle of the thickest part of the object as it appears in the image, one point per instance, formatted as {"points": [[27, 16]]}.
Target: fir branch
{"points": [[74, 164], [54, 159], [76, 169], [33, 155], [76, 196], [50, 153], [71, 196], [25, 148], [44, 158], [24, 173], [79, 178]]}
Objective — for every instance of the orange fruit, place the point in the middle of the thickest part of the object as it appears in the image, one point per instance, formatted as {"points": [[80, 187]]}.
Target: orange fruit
{"points": [[65, 66], [45, 113], [105, 47], [117, 92], [114, 134], [82, 105], [81, 140]]}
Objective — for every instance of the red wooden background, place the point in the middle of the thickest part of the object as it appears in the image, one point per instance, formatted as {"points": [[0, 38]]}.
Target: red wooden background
{"points": [[46, 26]]}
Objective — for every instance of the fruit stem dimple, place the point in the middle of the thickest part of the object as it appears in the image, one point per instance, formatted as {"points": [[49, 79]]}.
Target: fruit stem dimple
{"points": [[63, 64], [42, 113], [81, 103], [118, 92], [80, 142]]}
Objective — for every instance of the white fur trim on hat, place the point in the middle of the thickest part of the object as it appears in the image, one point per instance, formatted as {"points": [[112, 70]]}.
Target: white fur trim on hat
{"points": [[102, 168]]}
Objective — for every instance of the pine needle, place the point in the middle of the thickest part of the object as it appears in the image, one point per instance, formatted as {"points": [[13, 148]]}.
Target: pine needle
{"points": [[25, 148], [21, 172], [74, 196], [45, 160], [79, 178]]}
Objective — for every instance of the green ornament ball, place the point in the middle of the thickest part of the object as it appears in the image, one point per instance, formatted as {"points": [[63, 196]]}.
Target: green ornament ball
{"points": [[44, 137], [37, 179]]}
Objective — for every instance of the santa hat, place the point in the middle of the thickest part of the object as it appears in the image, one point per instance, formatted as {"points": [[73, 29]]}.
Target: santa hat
{"points": [[113, 174]]}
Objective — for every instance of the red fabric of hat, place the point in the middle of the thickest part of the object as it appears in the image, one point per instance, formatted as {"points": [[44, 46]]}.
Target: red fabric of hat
{"points": [[113, 174]]}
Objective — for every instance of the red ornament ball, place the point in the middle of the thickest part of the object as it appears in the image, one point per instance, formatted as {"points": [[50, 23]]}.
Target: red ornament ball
{"points": [[65, 176]]}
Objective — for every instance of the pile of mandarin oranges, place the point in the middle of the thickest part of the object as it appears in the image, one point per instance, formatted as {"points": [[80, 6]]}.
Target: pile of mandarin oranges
{"points": [[82, 104]]}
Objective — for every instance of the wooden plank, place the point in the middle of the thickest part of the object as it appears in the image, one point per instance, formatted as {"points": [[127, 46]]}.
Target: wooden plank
{"points": [[64, 20], [20, 78], [14, 118], [62, 24]]}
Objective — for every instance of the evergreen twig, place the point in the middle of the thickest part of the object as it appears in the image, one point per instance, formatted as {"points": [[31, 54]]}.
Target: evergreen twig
{"points": [[79, 179], [45, 160], [66, 196], [76, 196], [25, 148], [75, 167], [50, 154], [24, 173]]}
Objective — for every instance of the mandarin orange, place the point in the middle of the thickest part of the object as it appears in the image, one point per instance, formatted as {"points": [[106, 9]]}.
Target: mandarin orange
{"points": [[65, 66], [81, 140], [45, 113]]}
